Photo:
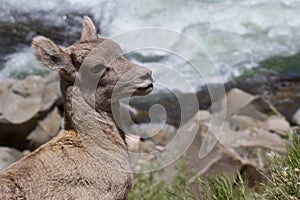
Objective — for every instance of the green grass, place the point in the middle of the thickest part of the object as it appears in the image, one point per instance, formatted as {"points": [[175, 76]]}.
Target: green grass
{"points": [[285, 171], [216, 188], [283, 184], [147, 188], [222, 188]]}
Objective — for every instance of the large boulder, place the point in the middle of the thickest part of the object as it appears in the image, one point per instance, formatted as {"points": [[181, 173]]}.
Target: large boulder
{"points": [[239, 102], [252, 137], [21, 100], [246, 110], [23, 104]]}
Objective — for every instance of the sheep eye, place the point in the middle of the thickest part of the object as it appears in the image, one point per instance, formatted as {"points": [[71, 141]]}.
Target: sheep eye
{"points": [[107, 69]]}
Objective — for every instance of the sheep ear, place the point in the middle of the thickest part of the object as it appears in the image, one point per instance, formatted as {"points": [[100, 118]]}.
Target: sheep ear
{"points": [[88, 30], [49, 54]]}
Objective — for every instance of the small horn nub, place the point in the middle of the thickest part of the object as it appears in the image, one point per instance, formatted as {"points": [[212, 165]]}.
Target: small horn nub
{"points": [[88, 30]]}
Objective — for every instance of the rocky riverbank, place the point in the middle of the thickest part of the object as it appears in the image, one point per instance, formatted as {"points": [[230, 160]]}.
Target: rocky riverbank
{"points": [[254, 127], [29, 111], [253, 131]]}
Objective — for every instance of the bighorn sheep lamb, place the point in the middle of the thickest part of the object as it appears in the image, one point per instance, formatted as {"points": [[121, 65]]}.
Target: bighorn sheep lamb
{"points": [[89, 158]]}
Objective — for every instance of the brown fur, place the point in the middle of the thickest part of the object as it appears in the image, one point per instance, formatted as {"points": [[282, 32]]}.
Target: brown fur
{"points": [[88, 159]]}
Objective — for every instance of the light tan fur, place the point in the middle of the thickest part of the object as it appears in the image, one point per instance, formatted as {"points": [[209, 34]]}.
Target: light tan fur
{"points": [[88, 159]]}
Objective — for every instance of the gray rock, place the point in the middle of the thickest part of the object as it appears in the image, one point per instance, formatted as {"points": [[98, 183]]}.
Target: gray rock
{"points": [[244, 132], [251, 125], [242, 103], [46, 129], [204, 115], [9, 156], [21, 100], [296, 117], [150, 130], [278, 125], [220, 159], [240, 123], [22, 104], [51, 92], [256, 137]]}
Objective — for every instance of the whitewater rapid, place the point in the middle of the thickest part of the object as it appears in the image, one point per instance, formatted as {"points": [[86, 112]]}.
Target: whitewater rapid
{"points": [[235, 34]]}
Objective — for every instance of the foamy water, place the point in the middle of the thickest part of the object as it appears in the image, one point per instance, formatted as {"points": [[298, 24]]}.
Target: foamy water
{"points": [[236, 34]]}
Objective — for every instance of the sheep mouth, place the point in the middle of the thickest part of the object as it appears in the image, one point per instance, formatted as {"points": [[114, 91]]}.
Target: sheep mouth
{"points": [[144, 90], [150, 86]]}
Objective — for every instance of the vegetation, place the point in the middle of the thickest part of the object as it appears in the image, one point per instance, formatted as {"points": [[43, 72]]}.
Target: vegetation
{"points": [[147, 188], [221, 187], [285, 65], [284, 182], [285, 171]]}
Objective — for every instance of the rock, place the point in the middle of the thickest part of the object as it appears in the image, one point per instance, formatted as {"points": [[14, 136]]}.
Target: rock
{"points": [[22, 104], [249, 128], [46, 129], [146, 131], [253, 177], [296, 117], [240, 123], [236, 100], [9, 156], [170, 102], [22, 100], [159, 134], [149, 137], [162, 138], [247, 139], [14, 135], [244, 110], [280, 88], [252, 128], [204, 115], [51, 93], [278, 125], [256, 137], [239, 102], [220, 159], [147, 147], [18, 30]]}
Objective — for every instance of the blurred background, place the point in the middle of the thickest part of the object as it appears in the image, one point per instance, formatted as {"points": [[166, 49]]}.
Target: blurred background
{"points": [[236, 34]]}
